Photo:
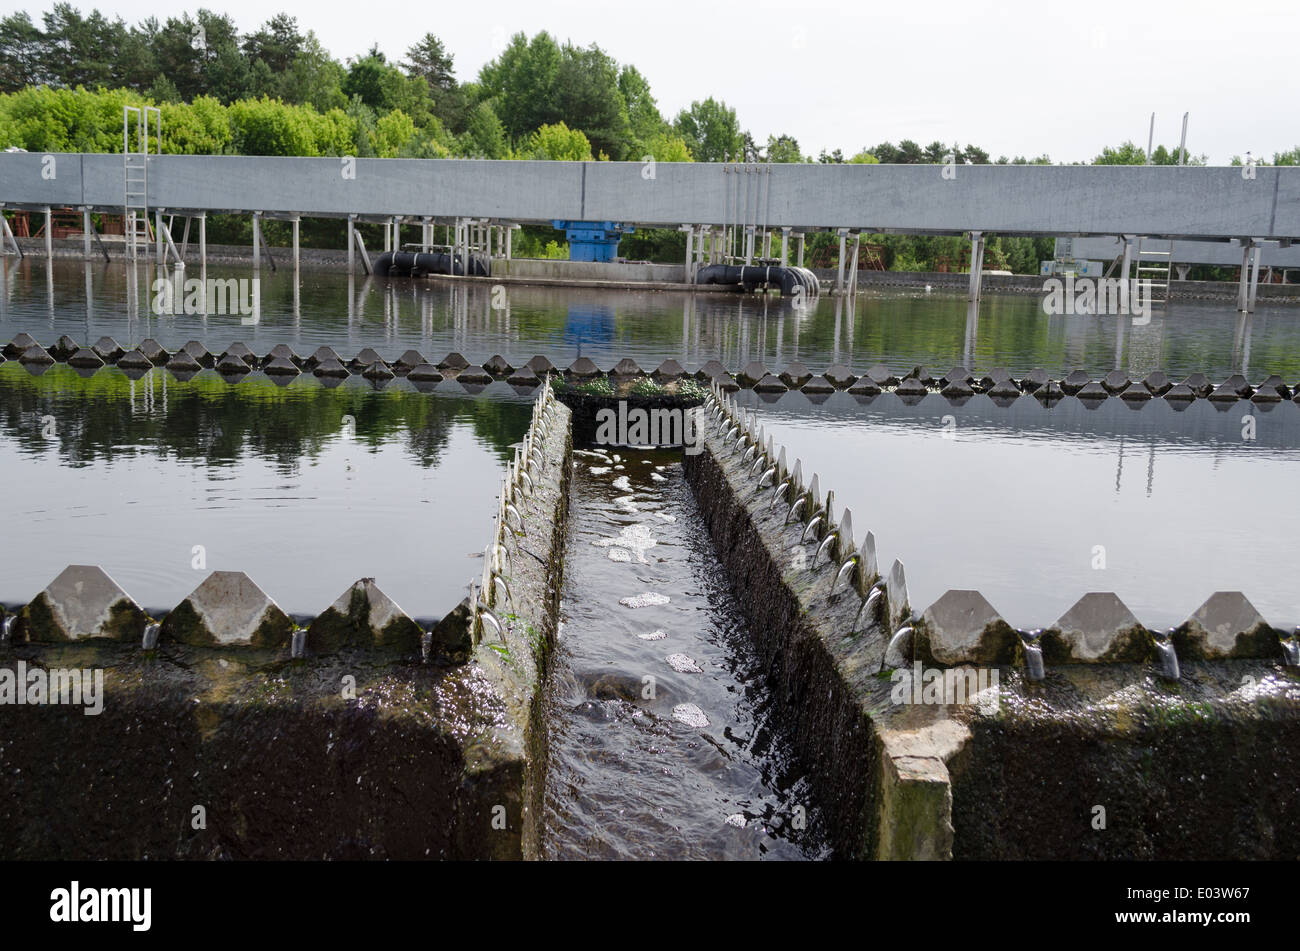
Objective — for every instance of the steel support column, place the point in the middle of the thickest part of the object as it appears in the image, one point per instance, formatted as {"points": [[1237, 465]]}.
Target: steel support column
{"points": [[976, 264]]}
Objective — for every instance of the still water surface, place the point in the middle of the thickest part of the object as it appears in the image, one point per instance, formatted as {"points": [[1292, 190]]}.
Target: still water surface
{"points": [[1015, 504], [1015, 501], [899, 329], [270, 480]]}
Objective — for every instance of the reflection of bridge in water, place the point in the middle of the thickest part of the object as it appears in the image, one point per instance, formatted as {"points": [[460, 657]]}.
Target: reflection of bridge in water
{"points": [[480, 319]]}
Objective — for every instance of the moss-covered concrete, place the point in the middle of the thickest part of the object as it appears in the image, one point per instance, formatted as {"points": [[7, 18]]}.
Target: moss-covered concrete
{"points": [[836, 705], [1109, 761], [37, 622], [518, 667], [185, 625], [355, 626], [203, 751], [351, 756]]}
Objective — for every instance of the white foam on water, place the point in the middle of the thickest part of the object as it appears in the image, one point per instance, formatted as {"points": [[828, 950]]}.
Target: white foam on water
{"points": [[619, 554], [648, 599], [736, 820], [653, 636], [622, 484], [634, 538], [626, 503], [683, 663], [599, 470], [666, 517], [690, 714], [658, 478]]}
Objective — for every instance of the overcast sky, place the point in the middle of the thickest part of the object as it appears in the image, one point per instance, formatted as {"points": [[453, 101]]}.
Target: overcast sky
{"points": [[1015, 78]]}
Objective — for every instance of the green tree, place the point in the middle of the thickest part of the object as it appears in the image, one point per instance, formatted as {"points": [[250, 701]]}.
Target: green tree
{"points": [[429, 60], [484, 135], [522, 84], [558, 143], [201, 127], [710, 130], [782, 148], [1130, 154], [1125, 154], [589, 99], [394, 134], [646, 123], [667, 147], [202, 56], [936, 151], [277, 44], [134, 60], [163, 90], [383, 87], [314, 78], [81, 51], [365, 79], [21, 56], [269, 127]]}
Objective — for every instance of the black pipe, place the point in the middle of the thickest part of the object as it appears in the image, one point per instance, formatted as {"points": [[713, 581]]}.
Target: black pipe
{"points": [[408, 264], [751, 277]]}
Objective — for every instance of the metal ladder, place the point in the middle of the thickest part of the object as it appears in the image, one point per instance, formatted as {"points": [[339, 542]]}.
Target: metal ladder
{"points": [[1156, 267], [135, 168], [1151, 265]]}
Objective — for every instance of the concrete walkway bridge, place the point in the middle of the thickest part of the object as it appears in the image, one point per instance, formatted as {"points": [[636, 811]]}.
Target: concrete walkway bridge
{"points": [[734, 212]]}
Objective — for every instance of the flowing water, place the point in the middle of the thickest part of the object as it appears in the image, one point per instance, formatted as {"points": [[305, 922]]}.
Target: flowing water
{"points": [[664, 739]]}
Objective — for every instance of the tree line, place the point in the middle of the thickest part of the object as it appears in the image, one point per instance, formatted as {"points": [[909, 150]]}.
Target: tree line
{"points": [[277, 91]]}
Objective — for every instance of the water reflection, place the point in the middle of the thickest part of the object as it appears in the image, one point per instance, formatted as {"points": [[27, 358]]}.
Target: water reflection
{"points": [[211, 422], [589, 326], [305, 488], [899, 328], [1014, 501]]}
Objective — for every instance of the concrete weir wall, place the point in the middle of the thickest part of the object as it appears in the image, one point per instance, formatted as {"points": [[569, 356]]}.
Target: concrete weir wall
{"points": [[881, 797], [944, 733], [226, 730]]}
